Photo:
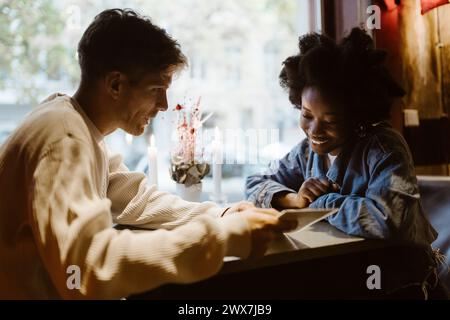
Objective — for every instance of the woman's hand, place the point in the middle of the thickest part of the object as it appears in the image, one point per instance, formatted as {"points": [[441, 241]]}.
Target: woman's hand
{"points": [[310, 190]]}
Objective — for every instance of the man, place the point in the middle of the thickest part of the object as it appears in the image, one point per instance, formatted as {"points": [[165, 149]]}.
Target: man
{"points": [[60, 190]]}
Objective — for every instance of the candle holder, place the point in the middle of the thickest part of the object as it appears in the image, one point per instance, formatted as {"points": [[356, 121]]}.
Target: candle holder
{"points": [[188, 166]]}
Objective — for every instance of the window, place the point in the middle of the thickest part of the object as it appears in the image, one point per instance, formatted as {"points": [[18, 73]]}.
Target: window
{"points": [[233, 63], [235, 49]]}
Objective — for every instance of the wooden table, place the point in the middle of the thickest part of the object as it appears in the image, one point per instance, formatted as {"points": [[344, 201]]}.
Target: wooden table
{"points": [[319, 262]]}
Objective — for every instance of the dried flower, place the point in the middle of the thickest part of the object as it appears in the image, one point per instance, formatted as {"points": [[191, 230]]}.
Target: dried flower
{"points": [[188, 165]]}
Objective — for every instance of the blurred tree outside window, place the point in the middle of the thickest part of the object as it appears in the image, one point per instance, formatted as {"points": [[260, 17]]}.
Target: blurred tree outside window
{"points": [[235, 50]]}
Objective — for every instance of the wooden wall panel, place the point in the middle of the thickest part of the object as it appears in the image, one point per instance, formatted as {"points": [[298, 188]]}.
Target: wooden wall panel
{"points": [[444, 30], [420, 64]]}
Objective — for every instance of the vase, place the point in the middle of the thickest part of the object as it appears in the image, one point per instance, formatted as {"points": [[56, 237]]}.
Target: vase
{"points": [[191, 193]]}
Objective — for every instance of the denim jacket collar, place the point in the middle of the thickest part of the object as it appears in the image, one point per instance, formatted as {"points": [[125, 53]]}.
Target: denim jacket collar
{"points": [[336, 172]]}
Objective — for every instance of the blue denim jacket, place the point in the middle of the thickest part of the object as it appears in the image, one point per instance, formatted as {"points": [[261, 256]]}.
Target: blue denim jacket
{"points": [[378, 194]]}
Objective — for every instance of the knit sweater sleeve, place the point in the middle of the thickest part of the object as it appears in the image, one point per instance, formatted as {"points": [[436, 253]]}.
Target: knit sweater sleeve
{"points": [[72, 227], [136, 203]]}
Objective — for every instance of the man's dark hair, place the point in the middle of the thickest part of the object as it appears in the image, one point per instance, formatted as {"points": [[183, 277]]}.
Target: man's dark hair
{"points": [[349, 74], [122, 40]]}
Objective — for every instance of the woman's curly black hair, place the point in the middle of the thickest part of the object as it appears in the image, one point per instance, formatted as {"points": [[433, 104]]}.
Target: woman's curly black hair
{"points": [[349, 74]]}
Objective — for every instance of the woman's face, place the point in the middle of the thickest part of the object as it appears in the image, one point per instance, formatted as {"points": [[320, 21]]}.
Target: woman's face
{"points": [[325, 125]]}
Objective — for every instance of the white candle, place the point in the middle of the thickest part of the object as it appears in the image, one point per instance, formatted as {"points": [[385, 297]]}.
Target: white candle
{"points": [[217, 164], [152, 162]]}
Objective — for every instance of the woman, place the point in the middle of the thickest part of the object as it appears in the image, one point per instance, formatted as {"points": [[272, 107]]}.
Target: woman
{"points": [[351, 158]]}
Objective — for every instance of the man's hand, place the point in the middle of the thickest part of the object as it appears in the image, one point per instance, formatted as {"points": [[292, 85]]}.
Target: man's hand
{"points": [[264, 225], [239, 207]]}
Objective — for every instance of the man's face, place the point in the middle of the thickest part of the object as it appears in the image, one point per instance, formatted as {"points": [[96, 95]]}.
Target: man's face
{"points": [[139, 103], [326, 127]]}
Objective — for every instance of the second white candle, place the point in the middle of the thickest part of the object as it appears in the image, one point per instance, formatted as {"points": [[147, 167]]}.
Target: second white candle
{"points": [[217, 154]]}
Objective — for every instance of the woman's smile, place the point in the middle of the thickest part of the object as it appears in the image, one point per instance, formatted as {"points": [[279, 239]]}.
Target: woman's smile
{"points": [[318, 141]]}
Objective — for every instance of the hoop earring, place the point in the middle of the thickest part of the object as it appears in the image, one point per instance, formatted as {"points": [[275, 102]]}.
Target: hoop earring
{"points": [[361, 130]]}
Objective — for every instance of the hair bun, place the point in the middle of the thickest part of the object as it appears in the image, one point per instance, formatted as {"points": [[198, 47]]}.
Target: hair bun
{"points": [[358, 40], [314, 40], [376, 56]]}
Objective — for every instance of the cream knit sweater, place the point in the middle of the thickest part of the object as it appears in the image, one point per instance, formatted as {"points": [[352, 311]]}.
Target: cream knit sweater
{"points": [[60, 193]]}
